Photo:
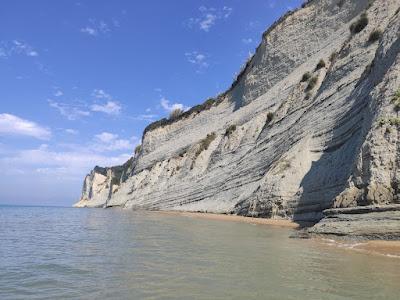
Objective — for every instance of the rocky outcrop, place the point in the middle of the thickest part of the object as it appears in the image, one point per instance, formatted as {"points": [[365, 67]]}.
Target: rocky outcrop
{"points": [[310, 124], [372, 222]]}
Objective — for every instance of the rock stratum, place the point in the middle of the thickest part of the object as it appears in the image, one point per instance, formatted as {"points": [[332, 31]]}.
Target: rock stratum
{"points": [[310, 125]]}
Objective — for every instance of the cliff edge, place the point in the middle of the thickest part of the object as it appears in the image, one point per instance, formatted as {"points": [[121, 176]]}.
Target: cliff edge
{"points": [[311, 124]]}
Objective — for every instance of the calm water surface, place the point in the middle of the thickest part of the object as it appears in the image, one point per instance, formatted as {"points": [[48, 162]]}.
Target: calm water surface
{"points": [[65, 253]]}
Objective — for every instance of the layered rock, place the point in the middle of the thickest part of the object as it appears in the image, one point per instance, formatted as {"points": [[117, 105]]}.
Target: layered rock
{"points": [[275, 145]]}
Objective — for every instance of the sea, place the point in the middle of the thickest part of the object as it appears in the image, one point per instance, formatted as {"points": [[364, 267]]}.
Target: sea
{"points": [[69, 253]]}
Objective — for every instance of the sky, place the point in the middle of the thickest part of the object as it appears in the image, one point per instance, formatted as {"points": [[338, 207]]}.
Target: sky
{"points": [[80, 80]]}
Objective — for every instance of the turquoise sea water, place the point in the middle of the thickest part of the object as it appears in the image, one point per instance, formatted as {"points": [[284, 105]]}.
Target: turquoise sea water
{"points": [[66, 253]]}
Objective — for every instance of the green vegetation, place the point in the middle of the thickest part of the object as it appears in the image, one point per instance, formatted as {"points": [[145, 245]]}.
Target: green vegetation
{"points": [[312, 83], [321, 64], [230, 130], [375, 36], [360, 24], [306, 77], [194, 110], [270, 117], [396, 100], [333, 56], [138, 148], [205, 143], [381, 122], [394, 121]]}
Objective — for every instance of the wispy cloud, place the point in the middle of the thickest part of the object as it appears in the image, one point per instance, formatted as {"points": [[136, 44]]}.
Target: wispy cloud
{"points": [[247, 41], [198, 59], [72, 131], [96, 28], [146, 117], [168, 106], [16, 126], [111, 106], [101, 94], [17, 47], [74, 110], [89, 30], [107, 141], [57, 92], [69, 164], [70, 111], [208, 16]]}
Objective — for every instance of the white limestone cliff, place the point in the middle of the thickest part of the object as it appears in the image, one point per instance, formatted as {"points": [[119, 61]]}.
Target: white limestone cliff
{"points": [[294, 148]]}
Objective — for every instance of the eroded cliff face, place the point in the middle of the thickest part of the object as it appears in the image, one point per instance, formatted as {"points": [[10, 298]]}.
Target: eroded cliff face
{"points": [[275, 145]]}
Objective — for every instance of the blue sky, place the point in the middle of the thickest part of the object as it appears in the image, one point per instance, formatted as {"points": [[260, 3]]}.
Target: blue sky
{"points": [[80, 80]]}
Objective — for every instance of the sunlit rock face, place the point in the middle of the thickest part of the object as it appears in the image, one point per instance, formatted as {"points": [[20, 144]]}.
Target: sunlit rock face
{"points": [[310, 124]]}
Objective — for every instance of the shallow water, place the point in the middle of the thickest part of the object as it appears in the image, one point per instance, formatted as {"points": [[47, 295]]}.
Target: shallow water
{"points": [[66, 253]]}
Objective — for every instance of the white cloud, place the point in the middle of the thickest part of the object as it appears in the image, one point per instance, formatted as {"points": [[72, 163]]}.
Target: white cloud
{"points": [[71, 131], [96, 28], [145, 117], [58, 93], [110, 108], [207, 22], [70, 111], [209, 16], [227, 11], [89, 30], [18, 47], [71, 163], [168, 106], [106, 137], [198, 59], [107, 141], [247, 41], [13, 125], [101, 94]]}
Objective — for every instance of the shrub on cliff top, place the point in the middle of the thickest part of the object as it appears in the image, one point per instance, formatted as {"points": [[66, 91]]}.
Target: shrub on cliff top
{"points": [[174, 114], [194, 110], [360, 24]]}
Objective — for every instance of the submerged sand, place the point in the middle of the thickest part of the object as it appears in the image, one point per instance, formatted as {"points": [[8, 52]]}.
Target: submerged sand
{"points": [[235, 218], [375, 247]]}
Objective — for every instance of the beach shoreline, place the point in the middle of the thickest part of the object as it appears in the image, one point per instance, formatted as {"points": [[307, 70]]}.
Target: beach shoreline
{"points": [[234, 218], [373, 247]]}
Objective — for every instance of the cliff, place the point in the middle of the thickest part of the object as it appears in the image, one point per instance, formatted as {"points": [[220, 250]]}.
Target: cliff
{"points": [[311, 124]]}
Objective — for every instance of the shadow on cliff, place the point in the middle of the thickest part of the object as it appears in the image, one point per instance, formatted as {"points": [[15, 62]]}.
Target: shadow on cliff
{"points": [[328, 176]]}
